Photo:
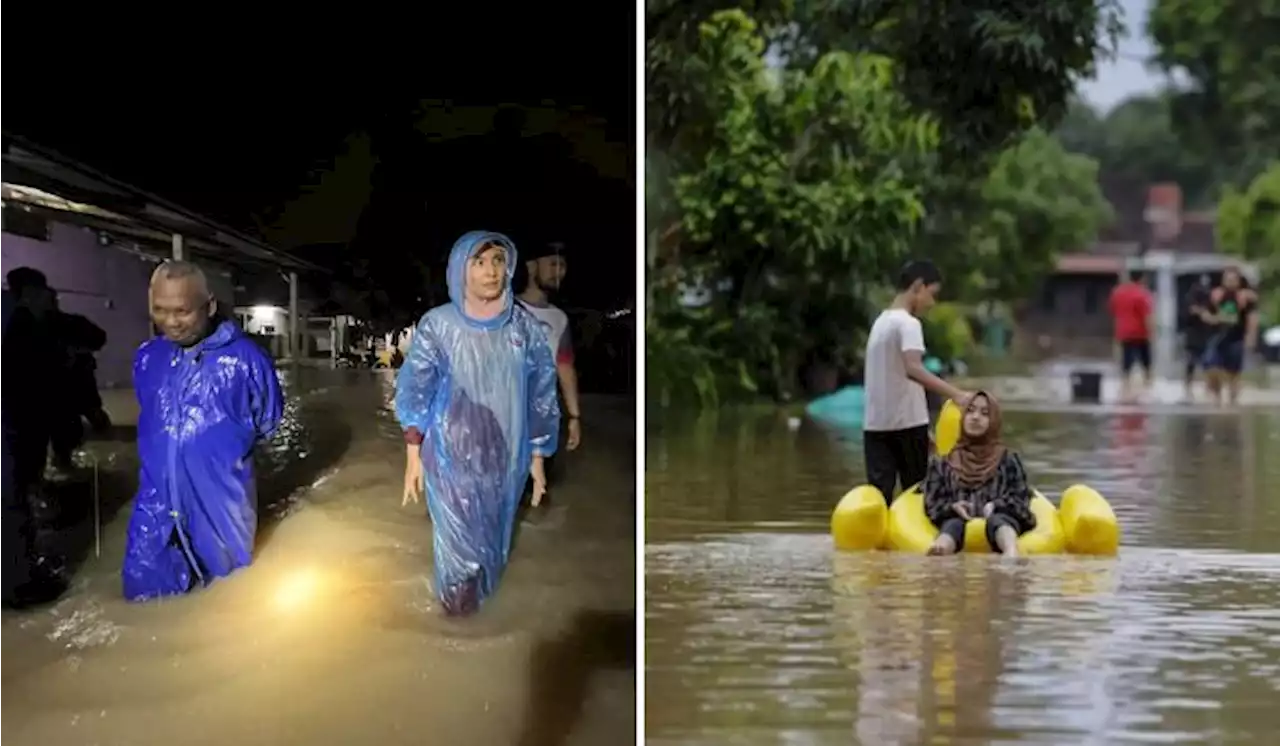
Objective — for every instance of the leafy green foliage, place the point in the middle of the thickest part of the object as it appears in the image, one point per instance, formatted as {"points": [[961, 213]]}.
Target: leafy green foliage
{"points": [[794, 148], [1249, 220], [1229, 50], [1249, 227], [1038, 202], [1137, 140], [988, 70], [801, 191]]}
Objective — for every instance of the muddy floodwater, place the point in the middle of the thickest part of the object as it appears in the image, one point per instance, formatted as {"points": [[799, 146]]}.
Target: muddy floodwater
{"points": [[759, 632], [334, 636]]}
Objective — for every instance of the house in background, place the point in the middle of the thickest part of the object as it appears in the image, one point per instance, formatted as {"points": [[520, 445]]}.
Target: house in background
{"points": [[326, 328], [1068, 316], [98, 240]]}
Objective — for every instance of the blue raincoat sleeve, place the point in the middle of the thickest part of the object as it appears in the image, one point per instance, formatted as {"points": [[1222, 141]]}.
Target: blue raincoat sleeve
{"points": [[202, 411], [416, 383], [544, 406], [266, 400]]}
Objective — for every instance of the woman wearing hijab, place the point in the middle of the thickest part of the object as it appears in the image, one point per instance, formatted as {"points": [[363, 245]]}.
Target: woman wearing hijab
{"points": [[980, 477]]}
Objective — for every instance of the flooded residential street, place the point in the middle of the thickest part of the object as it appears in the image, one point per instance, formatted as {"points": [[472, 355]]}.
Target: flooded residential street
{"points": [[333, 636], [759, 632]]}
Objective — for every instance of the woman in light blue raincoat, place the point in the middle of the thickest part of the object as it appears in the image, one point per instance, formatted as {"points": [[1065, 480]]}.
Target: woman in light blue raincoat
{"points": [[476, 398]]}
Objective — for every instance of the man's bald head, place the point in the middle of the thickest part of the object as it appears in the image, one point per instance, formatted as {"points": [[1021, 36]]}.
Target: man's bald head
{"points": [[181, 304]]}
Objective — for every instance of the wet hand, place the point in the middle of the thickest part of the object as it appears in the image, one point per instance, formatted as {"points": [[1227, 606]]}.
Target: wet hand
{"points": [[538, 472], [575, 434], [962, 399], [412, 479], [962, 510]]}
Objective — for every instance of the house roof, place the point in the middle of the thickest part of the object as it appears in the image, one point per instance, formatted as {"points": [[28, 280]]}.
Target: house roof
{"points": [[60, 188]]}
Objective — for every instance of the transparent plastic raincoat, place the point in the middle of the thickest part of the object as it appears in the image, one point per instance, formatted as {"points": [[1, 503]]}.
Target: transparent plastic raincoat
{"points": [[202, 410], [480, 396]]}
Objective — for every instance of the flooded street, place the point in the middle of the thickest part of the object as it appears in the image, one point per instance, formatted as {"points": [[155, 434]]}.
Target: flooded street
{"points": [[333, 636], [759, 632]]}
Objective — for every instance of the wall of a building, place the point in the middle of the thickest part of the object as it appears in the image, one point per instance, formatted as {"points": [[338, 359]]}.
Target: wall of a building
{"points": [[1068, 317], [106, 284]]}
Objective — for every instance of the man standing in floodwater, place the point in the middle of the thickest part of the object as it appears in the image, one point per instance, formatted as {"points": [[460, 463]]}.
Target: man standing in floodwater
{"points": [[545, 270], [895, 436], [1233, 318], [207, 395], [1130, 305], [476, 398]]}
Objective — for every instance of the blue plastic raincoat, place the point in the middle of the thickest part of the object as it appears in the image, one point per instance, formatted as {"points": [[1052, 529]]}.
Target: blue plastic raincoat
{"points": [[481, 394], [202, 410]]}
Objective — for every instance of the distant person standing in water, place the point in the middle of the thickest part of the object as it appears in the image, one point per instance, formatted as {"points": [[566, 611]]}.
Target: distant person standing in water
{"points": [[545, 272], [476, 398], [1196, 332], [896, 417], [207, 395], [1131, 307], [1233, 318]]}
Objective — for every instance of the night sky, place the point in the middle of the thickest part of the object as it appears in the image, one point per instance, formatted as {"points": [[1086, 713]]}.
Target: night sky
{"points": [[363, 143]]}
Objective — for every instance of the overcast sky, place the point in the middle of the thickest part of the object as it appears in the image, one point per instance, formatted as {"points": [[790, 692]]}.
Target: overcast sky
{"points": [[1127, 75]]}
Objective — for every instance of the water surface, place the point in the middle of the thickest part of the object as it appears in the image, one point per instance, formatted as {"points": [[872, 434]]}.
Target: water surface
{"points": [[759, 632], [334, 635]]}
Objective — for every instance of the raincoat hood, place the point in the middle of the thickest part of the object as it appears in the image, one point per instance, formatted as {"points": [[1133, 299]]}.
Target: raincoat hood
{"points": [[463, 249]]}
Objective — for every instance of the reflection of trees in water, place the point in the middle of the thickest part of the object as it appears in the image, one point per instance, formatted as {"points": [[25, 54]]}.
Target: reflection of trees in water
{"points": [[920, 635], [1220, 467], [742, 468]]}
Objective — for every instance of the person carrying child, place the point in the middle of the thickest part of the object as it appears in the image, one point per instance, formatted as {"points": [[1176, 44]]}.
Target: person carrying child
{"points": [[980, 477]]}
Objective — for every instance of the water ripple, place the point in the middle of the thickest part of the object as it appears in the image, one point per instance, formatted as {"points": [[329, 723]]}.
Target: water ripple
{"points": [[758, 632]]}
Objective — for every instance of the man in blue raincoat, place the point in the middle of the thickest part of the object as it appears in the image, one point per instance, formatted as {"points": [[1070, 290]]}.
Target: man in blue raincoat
{"points": [[476, 398], [208, 394]]}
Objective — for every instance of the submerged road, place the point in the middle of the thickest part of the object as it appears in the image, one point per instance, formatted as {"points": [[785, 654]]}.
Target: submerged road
{"points": [[333, 636]]}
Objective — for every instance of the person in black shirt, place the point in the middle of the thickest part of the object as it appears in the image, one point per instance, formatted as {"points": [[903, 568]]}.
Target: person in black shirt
{"points": [[1234, 322], [1196, 332]]}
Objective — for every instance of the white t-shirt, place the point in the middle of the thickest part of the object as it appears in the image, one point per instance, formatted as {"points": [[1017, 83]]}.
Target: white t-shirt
{"points": [[893, 401], [556, 325]]}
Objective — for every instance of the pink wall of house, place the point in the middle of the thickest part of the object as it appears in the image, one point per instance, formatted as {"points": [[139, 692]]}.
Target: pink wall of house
{"points": [[105, 284]]}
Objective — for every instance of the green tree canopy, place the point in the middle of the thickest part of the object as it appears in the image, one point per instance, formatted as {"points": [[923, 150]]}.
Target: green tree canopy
{"points": [[1249, 227], [1039, 202], [1137, 139], [797, 148], [1229, 50], [804, 186]]}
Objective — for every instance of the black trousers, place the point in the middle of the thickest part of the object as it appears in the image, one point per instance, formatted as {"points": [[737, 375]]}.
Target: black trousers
{"points": [[17, 529], [896, 457], [954, 527]]}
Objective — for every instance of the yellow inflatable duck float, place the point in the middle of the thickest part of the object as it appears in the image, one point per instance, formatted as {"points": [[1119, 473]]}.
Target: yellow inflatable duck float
{"points": [[1083, 523]]}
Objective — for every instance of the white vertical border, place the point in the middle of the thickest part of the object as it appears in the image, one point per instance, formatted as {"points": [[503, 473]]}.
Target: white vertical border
{"points": [[639, 317]]}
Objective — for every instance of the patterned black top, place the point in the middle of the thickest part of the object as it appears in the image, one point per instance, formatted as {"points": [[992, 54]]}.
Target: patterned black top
{"points": [[1008, 489]]}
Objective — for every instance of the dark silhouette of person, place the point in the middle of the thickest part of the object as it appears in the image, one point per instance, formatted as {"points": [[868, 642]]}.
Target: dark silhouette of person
{"points": [[32, 384], [81, 340]]}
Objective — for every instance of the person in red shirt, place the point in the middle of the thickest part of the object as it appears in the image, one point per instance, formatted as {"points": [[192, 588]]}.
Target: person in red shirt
{"points": [[1131, 306]]}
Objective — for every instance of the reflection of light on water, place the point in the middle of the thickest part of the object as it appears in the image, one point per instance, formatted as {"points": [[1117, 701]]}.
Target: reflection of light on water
{"points": [[85, 627], [297, 590]]}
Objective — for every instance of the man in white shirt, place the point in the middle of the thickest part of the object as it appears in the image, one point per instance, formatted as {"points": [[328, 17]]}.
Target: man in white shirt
{"points": [[545, 270], [896, 418]]}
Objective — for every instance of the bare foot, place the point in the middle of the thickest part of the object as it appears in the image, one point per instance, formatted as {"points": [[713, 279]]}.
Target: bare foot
{"points": [[942, 545], [1007, 541]]}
